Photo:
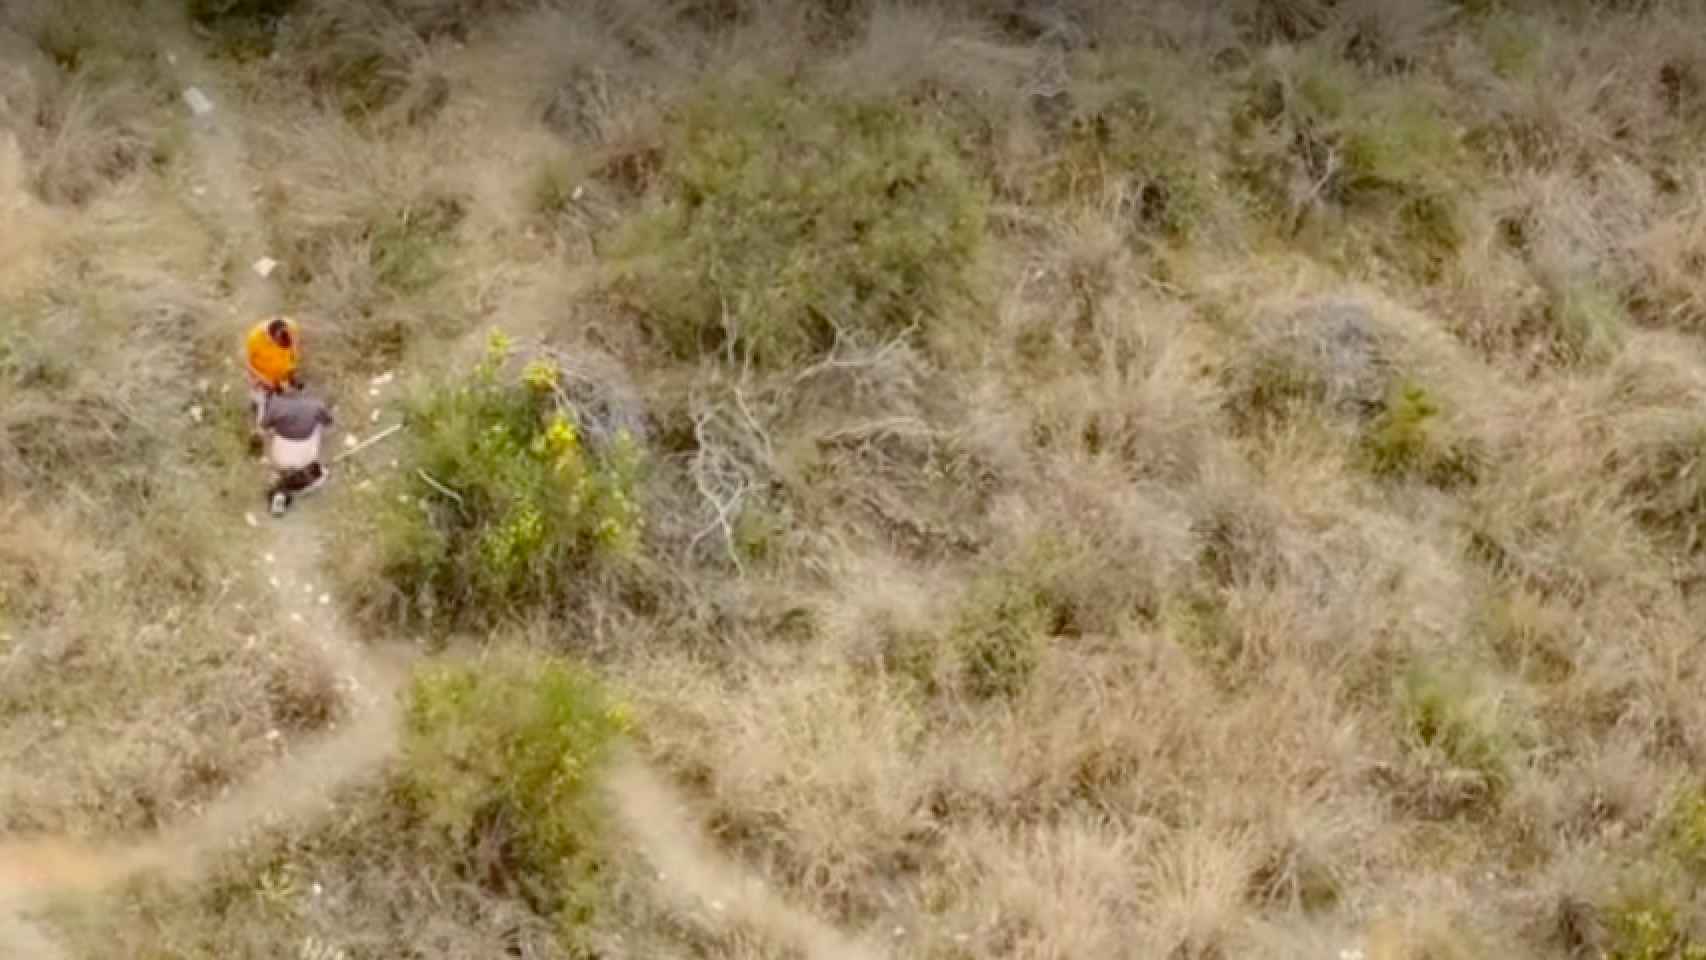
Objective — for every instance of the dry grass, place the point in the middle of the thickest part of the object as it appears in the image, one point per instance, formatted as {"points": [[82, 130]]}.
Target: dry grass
{"points": [[1289, 542]]}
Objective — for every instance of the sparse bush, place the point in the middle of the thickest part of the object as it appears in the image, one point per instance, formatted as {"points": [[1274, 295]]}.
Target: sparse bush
{"points": [[501, 757], [408, 245], [789, 215], [1126, 137], [1587, 322], [87, 105], [1408, 439], [1452, 723], [1314, 132], [1644, 926], [1198, 621], [246, 29], [1664, 483], [1687, 828], [998, 637], [502, 502], [1330, 354], [352, 263]]}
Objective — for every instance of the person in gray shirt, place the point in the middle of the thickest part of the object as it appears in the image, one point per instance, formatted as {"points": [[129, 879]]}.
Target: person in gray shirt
{"points": [[295, 422]]}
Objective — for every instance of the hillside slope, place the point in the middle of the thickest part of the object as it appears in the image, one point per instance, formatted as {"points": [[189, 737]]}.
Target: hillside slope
{"points": [[1063, 479]]}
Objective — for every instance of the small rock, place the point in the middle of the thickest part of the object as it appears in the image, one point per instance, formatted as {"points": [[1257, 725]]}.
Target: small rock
{"points": [[273, 581], [172, 59], [58, 724], [374, 418], [580, 191], [195, 413], [273, 735], [717, 905], [316, 889], [199, 190], [349, 439], [325, 599], [269, 559], [249, 519], [899, 932], [198, 102], [384, 378], [364, 485], [201, 386], [265, 266], [373, 391], [296, 618]]}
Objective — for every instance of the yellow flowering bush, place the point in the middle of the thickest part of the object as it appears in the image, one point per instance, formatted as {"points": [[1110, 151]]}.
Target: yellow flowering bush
{"points": [[503, 503]]}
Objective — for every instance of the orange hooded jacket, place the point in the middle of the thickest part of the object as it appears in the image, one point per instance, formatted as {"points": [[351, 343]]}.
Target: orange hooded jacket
{"points": [[269, 363]]}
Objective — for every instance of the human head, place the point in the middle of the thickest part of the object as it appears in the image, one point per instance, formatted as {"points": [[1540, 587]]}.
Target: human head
{"points": [[279, 330]]}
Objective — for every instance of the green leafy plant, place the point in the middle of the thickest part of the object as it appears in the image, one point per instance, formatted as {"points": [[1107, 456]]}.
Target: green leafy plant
{"points": [[1644, 926], [509, 749], [998, 638], [1444, 714], [786, 215], [1409, 439], [504, 503]]}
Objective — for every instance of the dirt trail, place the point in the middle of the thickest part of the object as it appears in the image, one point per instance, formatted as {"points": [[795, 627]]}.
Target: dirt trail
{"points": [[657, 821], [301, 784]]}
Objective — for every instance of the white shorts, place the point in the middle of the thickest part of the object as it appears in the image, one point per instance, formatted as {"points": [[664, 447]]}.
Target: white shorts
{"points": [[294, 454]]}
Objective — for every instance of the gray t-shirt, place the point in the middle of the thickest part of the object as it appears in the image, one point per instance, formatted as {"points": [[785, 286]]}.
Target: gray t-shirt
{"points": [[295, 416]]}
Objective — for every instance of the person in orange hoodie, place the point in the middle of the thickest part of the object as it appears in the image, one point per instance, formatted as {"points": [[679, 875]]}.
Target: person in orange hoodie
{"points": [[271, 358]]}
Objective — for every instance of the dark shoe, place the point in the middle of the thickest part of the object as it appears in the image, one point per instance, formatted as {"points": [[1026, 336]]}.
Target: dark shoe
{"points": [[313, 478]]}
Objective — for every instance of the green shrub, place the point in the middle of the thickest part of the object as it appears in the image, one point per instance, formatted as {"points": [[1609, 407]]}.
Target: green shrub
{"points": [[1132, 132], [408, 245], [1198, 622], [501, 504], [1587, 320], [786, 214], [1687, 829], [1380, 148], [244, 29], [1443, 714], [1644, 926], [997, 638], [1407, 439], [551, 190], [509, 749], [1513, 44], [1665, 487]]}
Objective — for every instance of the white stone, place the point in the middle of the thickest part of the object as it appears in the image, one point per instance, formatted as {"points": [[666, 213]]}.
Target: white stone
{"points": [[198, 102]]}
